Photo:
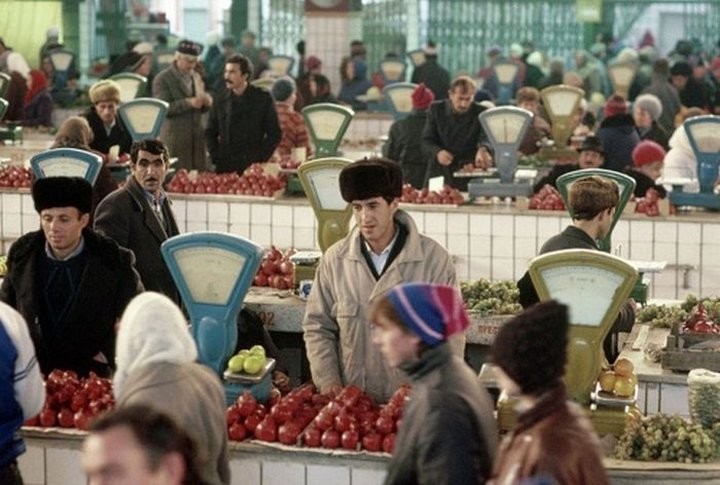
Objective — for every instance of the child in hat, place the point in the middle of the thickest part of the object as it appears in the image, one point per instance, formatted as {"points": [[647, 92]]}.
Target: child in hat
{"points": [[448, 433], [647, 167], [552, 441]]}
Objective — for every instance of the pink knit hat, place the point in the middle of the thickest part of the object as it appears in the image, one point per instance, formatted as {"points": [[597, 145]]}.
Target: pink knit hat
{"points": [[647, 151], [422, 97], [616, 105], [432, 312]]}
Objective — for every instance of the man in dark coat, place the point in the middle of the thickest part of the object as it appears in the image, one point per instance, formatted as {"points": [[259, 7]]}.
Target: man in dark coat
{"points": [[591, 156], [402, 145], [243, 125], [593, 201], [70, 284], [618, 134], [139, 216], [453, 135], [108, 128], [432, 74]]}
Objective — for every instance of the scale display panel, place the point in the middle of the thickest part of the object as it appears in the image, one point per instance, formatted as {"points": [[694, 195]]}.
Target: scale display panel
{"points": [[326, 124], [143, 117], [210, 273], [326, 187], [66, 162], [508, 126], [562, 104], [705, 136], [400, 97], [505, 72], [393, 71], [130, 85], [571, 286]]}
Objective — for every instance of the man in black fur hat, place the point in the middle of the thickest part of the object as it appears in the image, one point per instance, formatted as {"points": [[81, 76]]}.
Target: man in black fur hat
{"points": [[383, 250], [69, 283]]}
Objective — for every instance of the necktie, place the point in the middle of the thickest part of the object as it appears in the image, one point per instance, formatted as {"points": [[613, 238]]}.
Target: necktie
{"points": [[157, 208]]}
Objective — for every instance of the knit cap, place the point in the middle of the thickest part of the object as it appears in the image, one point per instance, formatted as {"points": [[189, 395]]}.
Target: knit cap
{"points": [[422, 97], [651, 104], [432, 312], [616, 105], [647, 151]]}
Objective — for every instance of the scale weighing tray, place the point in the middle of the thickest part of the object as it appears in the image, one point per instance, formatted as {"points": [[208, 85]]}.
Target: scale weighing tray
{"points": [[245, 378], [609, 399]]}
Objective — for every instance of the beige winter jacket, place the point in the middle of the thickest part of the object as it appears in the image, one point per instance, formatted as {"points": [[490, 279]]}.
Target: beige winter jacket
{"points": [[336, 331]]}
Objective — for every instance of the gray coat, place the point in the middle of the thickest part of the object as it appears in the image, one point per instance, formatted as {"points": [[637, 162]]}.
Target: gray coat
{"points": [[192, 395], [336, 332], [183, 130], [126, 216]]}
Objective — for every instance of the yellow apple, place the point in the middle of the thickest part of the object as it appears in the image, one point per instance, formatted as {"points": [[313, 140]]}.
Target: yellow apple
{"points": [[607, 381]]}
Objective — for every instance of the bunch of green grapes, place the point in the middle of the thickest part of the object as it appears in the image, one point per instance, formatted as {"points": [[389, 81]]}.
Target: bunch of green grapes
{"points": [[491, 298], [666, 438], [661, 316]]}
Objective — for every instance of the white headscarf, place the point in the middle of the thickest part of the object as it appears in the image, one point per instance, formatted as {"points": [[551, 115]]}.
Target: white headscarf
{"points": [[152, 329]]}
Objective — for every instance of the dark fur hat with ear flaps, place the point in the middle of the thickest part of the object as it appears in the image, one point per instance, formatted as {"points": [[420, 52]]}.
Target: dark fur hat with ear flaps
{"points": [[51, 192], [373, 177]]}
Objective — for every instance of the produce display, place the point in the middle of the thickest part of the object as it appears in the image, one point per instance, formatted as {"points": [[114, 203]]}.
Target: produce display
{"points": [[73, 402], [485, 297], [619, 381], [15, 176], [648, 205], [699, 322], [249, 361], [447, 195], [548, 198], [666, 316], [667, 438], [289, 163], [276, 270], [350, 421], [255, 181]]}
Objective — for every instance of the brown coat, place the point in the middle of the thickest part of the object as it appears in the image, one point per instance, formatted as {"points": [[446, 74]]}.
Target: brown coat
{"points": [[553, 441]]}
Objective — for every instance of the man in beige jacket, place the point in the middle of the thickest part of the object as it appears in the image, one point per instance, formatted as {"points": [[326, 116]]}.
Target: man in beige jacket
{"points": [[383, 250]]}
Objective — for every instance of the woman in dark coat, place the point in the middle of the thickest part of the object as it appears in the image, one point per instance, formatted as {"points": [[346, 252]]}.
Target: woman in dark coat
{"points": [[618, 134], [38, 103]]}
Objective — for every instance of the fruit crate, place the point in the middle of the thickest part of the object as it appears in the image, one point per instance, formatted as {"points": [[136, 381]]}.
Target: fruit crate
{"points": [[690, 350]]}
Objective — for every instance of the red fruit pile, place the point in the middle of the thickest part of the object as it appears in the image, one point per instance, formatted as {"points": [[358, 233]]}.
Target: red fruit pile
{"points": [[276, 270], [648, 205], [447, 195], [700, 322], [287, 418], [548, 198], [254, 181], [73, 402], [287, 162], [15, 176]]}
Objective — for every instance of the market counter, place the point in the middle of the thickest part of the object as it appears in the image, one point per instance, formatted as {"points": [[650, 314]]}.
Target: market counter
{"points": [[53, 458]]}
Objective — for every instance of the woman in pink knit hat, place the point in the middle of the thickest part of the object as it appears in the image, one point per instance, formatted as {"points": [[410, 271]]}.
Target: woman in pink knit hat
{"points": [[448, 433]]}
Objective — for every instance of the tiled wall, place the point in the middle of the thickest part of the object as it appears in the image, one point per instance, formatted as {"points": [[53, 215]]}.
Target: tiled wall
{"points": [[495, 244]]}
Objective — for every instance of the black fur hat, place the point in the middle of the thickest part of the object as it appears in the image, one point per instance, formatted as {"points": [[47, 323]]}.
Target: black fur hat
{"points": [[532, 347], [50, 192], [374, 177]]}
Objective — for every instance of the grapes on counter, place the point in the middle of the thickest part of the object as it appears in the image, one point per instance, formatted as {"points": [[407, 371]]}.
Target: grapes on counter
{"points": [[666, 438], [662, 316], [486, 297]]}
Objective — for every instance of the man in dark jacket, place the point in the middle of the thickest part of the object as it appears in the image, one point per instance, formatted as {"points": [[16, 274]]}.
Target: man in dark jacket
{"points": [[618, 134], [593, 201], [591, 156], [108, 129], [402, 145], [139, 216], [453, 135], [243, 125], [432, 74], [70, 284]]}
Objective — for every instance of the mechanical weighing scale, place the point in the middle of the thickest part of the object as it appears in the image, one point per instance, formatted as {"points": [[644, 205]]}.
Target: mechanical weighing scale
{"points": [[505, 128], [561, 103], [621, 76], [320, 179], [66, 162], [281, 65], [399, 98], [61, 60], [703, 133], [327, 124], [131, 85], [505, 73], [393, 71], [143, 118], [626, 188], [213, 272]]}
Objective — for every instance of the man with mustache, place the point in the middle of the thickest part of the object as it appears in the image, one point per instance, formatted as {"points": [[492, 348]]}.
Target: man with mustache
{"points": [[243, 125], [139, 216]]}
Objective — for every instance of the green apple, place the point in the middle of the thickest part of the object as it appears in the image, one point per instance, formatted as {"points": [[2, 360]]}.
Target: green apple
{"points": [[254, 363], [257, 350], [244, 352], [236, 363]]}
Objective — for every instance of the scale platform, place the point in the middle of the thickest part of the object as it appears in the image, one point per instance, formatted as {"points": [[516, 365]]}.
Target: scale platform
{"points": [[708, 201]]}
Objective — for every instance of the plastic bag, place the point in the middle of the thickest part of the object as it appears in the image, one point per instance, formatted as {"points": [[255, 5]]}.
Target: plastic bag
{"points": [[704, 397]]}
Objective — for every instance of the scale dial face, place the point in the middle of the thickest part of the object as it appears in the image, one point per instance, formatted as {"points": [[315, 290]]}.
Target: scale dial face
{"points": [[571, 286], [326, 124], [706, 137], [506, 129], [210, 273], [326, 186], [142, 118], [64, 167]]}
